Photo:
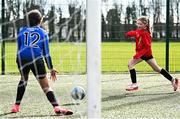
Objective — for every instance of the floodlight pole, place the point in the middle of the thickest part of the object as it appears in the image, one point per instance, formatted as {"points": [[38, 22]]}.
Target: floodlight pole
{"points": [[93, 36], [3, 37], [167, 35]]}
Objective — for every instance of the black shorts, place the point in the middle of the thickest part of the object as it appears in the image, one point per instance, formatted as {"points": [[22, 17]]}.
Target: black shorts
{"points": [[146, 58], [37, 67]]}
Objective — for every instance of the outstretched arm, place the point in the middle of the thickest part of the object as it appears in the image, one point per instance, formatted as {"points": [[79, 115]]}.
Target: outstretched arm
{"points": [[46, 53], [48, 60], [130, 34]]}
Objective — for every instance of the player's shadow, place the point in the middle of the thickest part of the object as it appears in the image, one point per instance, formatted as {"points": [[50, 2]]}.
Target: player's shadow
{"points": [[114, 97], [168, 96], [8, 113], [26, 116], [118, 97], [164, 85], [70, 104], [131, 94], [36, 116], [4, 114], [43, 116]]}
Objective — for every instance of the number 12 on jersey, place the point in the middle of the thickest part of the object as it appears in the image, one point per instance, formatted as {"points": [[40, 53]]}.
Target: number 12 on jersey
{"points": [[31, 35]]}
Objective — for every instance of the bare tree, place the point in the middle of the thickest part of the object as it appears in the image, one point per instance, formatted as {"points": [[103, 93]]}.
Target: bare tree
{"points": [[113, 23], [177, 17], [103, 27], [143, 9], [157, 11], [75, 21], [33, 4], [51, 18], [60, 24], [72, 9], [16, 15], [171, 20], [128, 15], [133, 13], [157, 16], [8, 16]]}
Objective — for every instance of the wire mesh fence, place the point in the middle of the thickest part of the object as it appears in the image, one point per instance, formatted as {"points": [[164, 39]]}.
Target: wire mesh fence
{"points": [[65, 22]]}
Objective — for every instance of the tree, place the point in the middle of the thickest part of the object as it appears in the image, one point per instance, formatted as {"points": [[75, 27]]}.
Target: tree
{"points": [[14, 8], [16, 14], [13, 12], [143, 9], [8, 15], [171, 20], [157, 11], [133, 13], [113, 23], [60, 24], [32, 4], [130, 19], [51, 24], [103, 32], [75, 23], [79, 23], [128, 15], [157, 16], [71, 24], [177, 18]]}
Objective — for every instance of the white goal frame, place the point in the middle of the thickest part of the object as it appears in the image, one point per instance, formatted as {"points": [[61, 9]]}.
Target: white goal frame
{"points": [[93, 36]]}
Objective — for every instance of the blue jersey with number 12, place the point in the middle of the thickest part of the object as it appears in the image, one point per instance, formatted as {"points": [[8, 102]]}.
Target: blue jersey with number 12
{"points": [[33, 43]]}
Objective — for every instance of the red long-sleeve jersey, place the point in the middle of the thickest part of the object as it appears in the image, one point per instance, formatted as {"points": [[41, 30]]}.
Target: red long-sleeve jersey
{"points": [[143, 42]]}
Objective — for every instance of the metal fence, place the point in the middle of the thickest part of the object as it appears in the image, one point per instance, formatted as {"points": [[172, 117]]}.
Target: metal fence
{"points": [[65, 21]]}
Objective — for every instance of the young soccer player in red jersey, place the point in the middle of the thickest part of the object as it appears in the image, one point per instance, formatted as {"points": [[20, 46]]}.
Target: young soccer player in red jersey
{"points": [[144, 52], [33, 46]]}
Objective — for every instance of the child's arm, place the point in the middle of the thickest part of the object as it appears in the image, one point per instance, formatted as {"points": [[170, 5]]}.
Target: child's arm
{"points": [[18, 43], [130, 34], [19, 38], [46, 53], [48, 59]]}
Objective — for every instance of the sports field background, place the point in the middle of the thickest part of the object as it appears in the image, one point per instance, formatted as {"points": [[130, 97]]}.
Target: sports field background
{"points": [[155, 99], [71, 57]]}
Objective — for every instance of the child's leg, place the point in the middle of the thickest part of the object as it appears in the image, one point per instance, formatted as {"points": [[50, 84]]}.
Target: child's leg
{"points": [[157, 68], [48, 91], [152, 62], [39, 71], [24, 71], [132, 70], [21, 89], [52, 99]]}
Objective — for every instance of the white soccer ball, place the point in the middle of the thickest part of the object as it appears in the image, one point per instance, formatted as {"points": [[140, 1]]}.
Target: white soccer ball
{"points": [[78, 93]]}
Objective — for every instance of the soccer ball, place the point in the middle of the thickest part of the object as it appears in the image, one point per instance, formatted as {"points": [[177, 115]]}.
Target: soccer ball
{"points": [[78, 93]]}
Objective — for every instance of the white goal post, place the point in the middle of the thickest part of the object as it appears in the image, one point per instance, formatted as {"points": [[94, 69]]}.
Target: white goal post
{"points": [[93, 36]]}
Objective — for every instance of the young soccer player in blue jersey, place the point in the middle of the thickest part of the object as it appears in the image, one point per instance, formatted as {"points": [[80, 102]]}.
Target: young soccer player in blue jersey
{"points": [[33, 46]]}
